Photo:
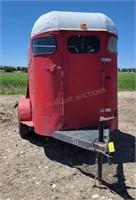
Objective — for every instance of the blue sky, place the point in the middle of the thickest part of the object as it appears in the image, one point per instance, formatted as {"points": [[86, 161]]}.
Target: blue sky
{"points": [[18, 17]]}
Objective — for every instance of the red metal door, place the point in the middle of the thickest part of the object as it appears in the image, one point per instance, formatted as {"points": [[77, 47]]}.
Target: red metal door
{"points": [[83, 83], [111, 81]]}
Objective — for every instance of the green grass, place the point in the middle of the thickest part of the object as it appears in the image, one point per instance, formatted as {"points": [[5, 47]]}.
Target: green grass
{"points": [[15, 83], [126, 81]]}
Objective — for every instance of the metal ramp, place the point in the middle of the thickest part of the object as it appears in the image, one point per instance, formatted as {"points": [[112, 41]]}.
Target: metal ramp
{"points": [[86, 139], [93, 140]]}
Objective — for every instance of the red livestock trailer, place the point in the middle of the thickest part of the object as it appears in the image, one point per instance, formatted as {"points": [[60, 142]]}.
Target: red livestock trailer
{"points": [[72, 80]]}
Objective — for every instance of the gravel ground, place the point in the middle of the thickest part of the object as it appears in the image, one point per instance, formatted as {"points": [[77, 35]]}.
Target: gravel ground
{"points": [[40, 168]]}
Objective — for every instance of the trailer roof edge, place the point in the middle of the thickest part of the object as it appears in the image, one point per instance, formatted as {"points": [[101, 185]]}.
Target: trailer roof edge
{"points": [[57, 20]]}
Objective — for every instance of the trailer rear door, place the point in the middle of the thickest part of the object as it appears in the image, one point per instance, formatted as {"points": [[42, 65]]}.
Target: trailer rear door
{"points": [[83, 78]]}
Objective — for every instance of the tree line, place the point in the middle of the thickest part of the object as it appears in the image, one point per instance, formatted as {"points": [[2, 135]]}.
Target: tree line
{"points": [[13, 69], [126, 69], [24, 69]]}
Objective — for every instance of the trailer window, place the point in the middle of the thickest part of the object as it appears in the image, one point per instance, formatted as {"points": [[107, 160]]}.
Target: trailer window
{"points": [[83, 44], [44, 45], [112, 45]]}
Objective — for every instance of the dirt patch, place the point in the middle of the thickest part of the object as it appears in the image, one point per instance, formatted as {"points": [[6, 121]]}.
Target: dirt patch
{"points": [[42, 168]]}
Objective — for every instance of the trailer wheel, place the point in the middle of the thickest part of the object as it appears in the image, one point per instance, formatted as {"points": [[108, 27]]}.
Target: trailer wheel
{"points": [[23, 130]]}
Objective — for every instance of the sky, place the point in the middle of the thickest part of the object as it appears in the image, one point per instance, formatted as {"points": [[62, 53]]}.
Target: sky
{"points": [[18, 17]]}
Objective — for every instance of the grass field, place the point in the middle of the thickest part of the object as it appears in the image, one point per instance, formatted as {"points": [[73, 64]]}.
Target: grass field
{"points": [[126, 81], [15, 83]]}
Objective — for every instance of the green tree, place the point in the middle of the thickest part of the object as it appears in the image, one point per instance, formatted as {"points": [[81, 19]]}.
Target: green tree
{"points": [[8, 69]]}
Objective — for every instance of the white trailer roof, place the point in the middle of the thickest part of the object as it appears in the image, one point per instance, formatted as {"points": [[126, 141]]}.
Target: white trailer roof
{"points": [[56, 20]]}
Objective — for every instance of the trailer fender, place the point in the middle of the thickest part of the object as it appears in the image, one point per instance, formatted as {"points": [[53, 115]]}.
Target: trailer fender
{"points": [[24, 110]]}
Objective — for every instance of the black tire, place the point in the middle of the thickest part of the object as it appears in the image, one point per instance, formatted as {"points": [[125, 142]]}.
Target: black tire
{"points": [[23, 130]]}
